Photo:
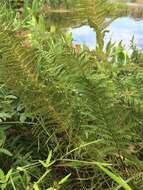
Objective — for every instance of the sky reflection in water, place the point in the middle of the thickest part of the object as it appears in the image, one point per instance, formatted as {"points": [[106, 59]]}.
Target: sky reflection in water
{"points": [[123, 28]]}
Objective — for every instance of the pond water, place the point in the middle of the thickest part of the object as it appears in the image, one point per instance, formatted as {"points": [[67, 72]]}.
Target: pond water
{"points": [[122, 29]]}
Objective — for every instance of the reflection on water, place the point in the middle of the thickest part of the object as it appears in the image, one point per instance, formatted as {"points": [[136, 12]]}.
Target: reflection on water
{"points": [[89, 18], [123, 28], [84, 35]]}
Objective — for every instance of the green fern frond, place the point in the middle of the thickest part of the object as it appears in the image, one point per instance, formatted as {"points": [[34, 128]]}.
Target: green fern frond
{"points": [[19, 70]]}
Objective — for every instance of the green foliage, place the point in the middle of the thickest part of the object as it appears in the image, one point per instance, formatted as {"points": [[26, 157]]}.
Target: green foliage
{"points": [[62, 3], [95, 14], [82, 109]]}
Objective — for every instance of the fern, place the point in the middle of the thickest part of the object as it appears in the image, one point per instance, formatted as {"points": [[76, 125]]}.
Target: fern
{"points": [[72, 103], [96, 13]]}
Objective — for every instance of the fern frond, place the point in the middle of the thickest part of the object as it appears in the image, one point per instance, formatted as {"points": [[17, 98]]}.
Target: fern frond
{"points": [[19, 70]]}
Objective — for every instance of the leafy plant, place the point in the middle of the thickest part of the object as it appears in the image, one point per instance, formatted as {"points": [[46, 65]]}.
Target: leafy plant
{"points": [[82, 108]]}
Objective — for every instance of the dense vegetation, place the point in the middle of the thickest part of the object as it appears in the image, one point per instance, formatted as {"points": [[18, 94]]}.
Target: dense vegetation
{"points": [[70, 118]]}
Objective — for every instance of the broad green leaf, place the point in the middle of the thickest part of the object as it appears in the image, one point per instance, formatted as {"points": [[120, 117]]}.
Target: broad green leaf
{"points": [[11, 97], [23, 117], [119, 180], [51, 188], [20, 169], [8, 174], [4, 115], [2, 176], [35, 186]]}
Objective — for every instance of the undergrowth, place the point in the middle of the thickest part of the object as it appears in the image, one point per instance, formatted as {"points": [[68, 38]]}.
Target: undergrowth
{"points": [[68, 119]]}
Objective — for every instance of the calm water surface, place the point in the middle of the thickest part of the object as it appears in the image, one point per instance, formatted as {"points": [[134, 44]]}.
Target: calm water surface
{"points": [[122, 29]]}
